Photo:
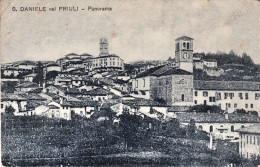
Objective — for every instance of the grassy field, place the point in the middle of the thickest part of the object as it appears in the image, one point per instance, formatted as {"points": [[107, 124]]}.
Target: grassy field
{"points": [[33, 141]]}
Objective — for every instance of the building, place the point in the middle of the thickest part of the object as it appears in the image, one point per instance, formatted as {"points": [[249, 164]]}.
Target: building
{"points": [[210, 63], [221, 126], [82, 108], [18, 102], [249, 144], [30, 77], [229, 95], [184, 53]]}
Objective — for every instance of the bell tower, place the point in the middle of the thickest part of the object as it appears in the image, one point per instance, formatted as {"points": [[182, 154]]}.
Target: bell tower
{"points": [[184, 53], [103, 47]]}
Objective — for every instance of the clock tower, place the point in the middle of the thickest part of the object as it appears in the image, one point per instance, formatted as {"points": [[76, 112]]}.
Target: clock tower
{"points": [[103, 47], [184, 53]]}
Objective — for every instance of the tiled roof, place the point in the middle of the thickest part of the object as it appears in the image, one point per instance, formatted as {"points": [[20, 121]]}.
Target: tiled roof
{"points": [[141, 102], [148, 72], [210, 60], [216, 118], [254, 129], [226, 85], [32, 96], [32, 104], [8, 97], [183, 38], [31, 75], [97, 92], [175, 71], [28, 85], [80, 103]]}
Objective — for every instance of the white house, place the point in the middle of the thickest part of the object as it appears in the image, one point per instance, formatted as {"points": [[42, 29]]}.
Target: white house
{"points": [[29, 77], [249, 144], [210, 63], [16, 101], [82, 108], [221, 126], [229, 95]]}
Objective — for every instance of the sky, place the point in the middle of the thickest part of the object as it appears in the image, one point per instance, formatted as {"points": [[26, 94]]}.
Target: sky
{"points": [[135, 30]]}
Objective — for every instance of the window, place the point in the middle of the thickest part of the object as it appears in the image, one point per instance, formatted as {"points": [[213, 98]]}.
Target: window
{"points": [[231, 95], [225, 95], [252, 105], [81, 112], [211, 128], [212, 99], [144, 82], [201, 127], [250, 139], [195, 101], [196, 93], [257, 96], [184, 44], [232, 128], [188, 45], [182, 97], [242, 126], [65, 115], [254, 140], [246, 139], [240, 95], [246, 96], [136, 83], [235, 105], [246, 105], [205, 94], [2, 105]]}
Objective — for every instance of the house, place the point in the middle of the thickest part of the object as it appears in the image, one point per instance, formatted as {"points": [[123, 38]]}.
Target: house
{"points": [[141, 83], [26, 86], [98, 94], [249, 144], [52, 112], [198, 64], [83, 108], [213, 63], [18, 102], [52, 67], [30, 77], [221, 126], [27, 65], [11, 72], [229, 95], [106, 61]]}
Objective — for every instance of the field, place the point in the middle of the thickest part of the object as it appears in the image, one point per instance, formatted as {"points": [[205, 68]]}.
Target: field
{"points": [[41, 141]]}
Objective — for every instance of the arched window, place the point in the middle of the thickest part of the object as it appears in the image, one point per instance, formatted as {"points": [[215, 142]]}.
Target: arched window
{"points": [[188, 45], [184, 44], [200, 127], [232, 128], [211, 128], [242, 126]]}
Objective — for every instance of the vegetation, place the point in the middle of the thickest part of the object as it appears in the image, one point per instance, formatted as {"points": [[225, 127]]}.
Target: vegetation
{"points": [[206, 108], [135, 140]]}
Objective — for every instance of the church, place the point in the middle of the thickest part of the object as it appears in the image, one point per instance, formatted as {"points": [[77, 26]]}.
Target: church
{"points": [[172, 84]]}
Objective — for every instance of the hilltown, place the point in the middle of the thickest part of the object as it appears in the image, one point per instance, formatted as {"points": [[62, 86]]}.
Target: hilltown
{"points": [[83, 84]]}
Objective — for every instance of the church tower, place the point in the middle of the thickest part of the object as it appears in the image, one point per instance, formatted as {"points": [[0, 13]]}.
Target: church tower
{"points": [[103, 47], [184, 53]]}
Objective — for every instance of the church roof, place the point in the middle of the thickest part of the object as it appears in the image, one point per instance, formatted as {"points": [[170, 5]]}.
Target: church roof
{"points": [[183, 38], [175, 71]]}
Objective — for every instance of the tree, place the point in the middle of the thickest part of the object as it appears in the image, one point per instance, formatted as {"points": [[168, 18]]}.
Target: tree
{"points": [[129, 128], [9, 110], [191, 128]]}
